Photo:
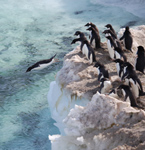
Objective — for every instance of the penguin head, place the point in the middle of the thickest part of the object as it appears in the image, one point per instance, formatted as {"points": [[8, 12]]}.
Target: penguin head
{"points": [[127, 28], [90, 29], [97, 64], [88, 24], [108, 26], [105, 31], [122, 86], [140, 50], [78, 33]]}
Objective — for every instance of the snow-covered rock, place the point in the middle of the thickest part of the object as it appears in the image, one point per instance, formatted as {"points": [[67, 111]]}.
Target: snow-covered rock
{"points": [[89, 120]]}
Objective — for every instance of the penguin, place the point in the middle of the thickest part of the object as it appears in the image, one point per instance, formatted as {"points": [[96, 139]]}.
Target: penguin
{"points": [[140, 61], [95, 38], [90, 24], [119, 67], [81, 40], [130, 73], [101, 70], [110, 33], [113, 93], [90, 52], [109, 26], [105, 85], [82, 44], [132, 82], [42, 64], [111, 45], [128, 95], [128, 40], [79, 34], [128, 69], [119, 54]]}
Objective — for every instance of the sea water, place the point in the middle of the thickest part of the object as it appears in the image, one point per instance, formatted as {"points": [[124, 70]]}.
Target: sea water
{"points": [[31, 31]]}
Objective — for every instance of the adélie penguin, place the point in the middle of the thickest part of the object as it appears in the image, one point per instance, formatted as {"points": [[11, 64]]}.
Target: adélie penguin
{"points": [[105, 85], [95, 39], [111, 45], [140, 60], [128, 95], [81, 38], [90, 54], [119, 67], [109, 26], [128, 40], [119, 54], [90, 24], [101, 71], [42, 64], [130, 73]]}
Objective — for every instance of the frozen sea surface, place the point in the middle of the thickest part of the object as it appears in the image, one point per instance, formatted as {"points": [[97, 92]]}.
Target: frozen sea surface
{"points": [[31, 31]]}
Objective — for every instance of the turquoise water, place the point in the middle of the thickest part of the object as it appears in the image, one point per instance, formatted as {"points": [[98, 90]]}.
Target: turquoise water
{"points": [[31, 31]]}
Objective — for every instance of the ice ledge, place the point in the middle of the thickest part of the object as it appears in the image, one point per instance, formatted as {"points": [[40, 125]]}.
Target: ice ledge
{"points": [[112, 124]]}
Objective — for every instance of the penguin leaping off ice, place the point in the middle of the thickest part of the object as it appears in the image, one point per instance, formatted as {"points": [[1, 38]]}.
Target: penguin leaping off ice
{"points": [[42, 64]]}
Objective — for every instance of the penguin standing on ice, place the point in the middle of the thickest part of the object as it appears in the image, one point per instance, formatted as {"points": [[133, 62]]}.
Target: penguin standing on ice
{"points": [[128, 40], [90, 24], [95, 38], [140, 61], [109, 26], [133, 83], [81, 38], [105, 85], [101, 70], [119, 67], [128, 95], [111, 45], [119, 54], [130, 74], [90, 52], [42, 64]]}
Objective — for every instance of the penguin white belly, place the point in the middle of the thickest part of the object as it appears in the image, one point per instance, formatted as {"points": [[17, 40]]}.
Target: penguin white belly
{"points": [[134, 88], [87, 53], [98, 71], [106, 88], [126, 81], [117, 55], [110, 50], [84, 49], [42, 66], [93, 43], [118, 68], [91, 59]]}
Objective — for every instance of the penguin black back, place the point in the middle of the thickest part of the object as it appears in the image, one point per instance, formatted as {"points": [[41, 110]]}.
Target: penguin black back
{"points": [[103, 72], [140, 61], [95, 36], [128, 94], [127, 39]]}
